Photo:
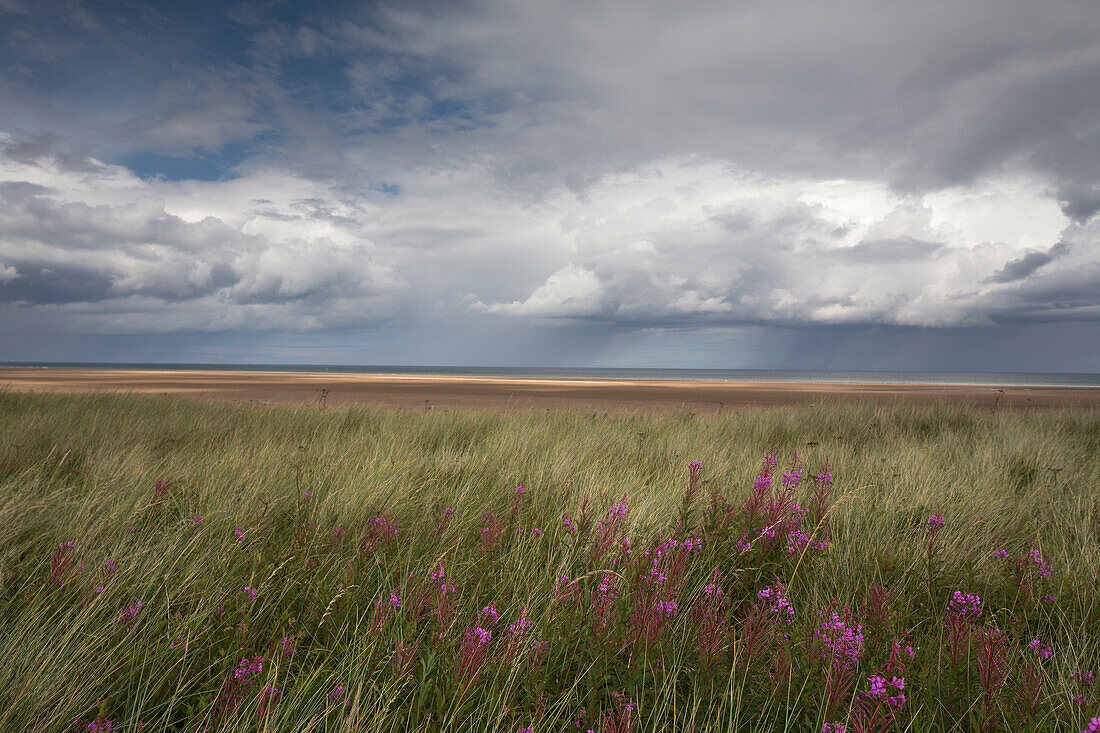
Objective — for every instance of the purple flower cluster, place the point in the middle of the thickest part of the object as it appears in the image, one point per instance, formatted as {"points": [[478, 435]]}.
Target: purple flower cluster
{"points": [[522, 624], [797, 539], [609, 530], [127, 615], [472, 654], [932, 531], [842, 640], [620, 510], [1043, 650], [965, 605], [880, 689], [775, 520], [775, 600], [792, 479], [666, 608], [1035, 557], [439, 577], [247, 668], [379, 532], [1084, 681]]}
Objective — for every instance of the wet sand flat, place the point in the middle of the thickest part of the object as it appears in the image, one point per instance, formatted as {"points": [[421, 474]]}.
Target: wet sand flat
{"points": [[476, 392]]}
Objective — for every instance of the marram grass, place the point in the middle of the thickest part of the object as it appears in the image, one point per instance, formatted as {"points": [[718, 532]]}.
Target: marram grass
{"points": [[306, 569]]}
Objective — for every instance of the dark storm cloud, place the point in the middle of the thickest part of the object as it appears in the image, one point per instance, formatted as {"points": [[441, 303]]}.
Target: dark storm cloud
{"points": [[931, 94], [40, 285], [1029, 263]]}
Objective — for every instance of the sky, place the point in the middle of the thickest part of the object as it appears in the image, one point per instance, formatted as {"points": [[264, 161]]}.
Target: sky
{"points": [[781, 185]]}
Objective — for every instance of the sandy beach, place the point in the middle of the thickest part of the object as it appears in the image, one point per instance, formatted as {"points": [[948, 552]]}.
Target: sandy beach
{"points": [[469, 392]]}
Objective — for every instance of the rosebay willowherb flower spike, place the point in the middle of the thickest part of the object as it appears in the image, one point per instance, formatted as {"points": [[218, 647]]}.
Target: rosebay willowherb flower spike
{"points": [[380, 532], [610, 530], [472, 655], [965, 605], [64, 558], [993, 666], [491, 533], [695, 472]]}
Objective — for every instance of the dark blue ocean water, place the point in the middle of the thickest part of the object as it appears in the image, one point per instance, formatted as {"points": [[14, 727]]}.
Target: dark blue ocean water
{"points": [[720, 375]]}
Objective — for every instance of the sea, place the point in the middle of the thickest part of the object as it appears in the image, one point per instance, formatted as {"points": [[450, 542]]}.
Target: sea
{"points": [[1036, 379]]}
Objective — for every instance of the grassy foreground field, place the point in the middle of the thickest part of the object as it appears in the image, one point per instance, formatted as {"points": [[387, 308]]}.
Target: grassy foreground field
{"points": [[294, 569]]}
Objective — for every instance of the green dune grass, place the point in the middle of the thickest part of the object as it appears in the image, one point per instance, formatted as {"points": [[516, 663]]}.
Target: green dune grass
{"points": [[297, 505]]}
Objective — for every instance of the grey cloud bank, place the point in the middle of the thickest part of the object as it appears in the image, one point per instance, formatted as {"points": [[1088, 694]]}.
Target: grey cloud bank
{"points": [[709, 185]]}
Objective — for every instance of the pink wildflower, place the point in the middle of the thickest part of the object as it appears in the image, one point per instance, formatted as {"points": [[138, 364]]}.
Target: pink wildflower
{"points": [[1043, 650], [127, 615], [491, 532], [843, 641], [248, 667], [666, 608], [472, 655], [965, 605], [522, 624], [775, 599]]}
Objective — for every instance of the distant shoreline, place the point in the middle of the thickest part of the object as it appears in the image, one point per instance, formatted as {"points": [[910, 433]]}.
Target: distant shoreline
{"points": [[675, 374], [434, 391]]}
